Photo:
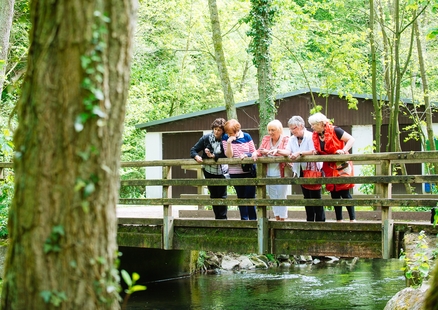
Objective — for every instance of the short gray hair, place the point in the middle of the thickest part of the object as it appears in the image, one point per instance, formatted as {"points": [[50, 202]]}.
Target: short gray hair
{"points": [[296, 120], [318, 117]]}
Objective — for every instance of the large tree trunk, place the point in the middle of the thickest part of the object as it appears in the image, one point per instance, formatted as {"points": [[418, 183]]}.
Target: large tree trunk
{"points": [[262, 18], [62, 223], [6, 15], [220, 61], [376, 102]]}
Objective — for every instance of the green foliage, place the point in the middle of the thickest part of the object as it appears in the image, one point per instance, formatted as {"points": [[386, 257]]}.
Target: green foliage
{"points": [[6, 194], [132, 286], [53, 297], [52, 243], [93, 68], [132, 191], [368, 170], [7, 183], [261, 18], [86, 188], [200, 263], [6, 144], [417, 269]]}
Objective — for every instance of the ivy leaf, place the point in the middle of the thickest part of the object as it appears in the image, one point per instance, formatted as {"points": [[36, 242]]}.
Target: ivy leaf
{"points": [[98, 94], [97, 111], [58, 230], [135, 277], [137, 288], [126, 277], [89, 189], [46, 295]]}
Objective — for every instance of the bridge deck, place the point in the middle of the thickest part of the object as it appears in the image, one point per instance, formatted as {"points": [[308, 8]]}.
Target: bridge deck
{"points": [[143, 227]]}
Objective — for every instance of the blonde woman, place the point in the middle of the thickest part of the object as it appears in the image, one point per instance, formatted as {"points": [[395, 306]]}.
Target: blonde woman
{"points": [[271, 146]]}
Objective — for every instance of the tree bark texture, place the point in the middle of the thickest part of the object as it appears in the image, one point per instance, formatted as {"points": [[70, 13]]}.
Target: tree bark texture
{"points": [[6, 15], [62, 223], [376, 102], [220, 61]]}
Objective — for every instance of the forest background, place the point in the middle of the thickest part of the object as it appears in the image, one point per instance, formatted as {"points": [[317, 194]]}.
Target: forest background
{"points": [[322, 44], [386, 49], [328, 45]]}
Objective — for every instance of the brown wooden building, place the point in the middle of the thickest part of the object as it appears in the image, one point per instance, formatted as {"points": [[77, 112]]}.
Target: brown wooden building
{"points": [[173, 137]]}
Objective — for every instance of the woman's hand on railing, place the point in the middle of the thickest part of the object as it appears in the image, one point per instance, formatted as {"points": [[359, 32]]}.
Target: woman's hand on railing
{"points": [[294, 156]]}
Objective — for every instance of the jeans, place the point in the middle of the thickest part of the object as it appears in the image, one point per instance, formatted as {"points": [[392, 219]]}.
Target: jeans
{"points": [[220, 212], [345, 194], [245, 191]]}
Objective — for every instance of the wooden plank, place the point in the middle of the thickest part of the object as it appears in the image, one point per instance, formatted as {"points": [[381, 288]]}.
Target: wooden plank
{"points": [[388, 238], [406, 157], [300, 196], [167, 212], [383, 179], [378, 202]]}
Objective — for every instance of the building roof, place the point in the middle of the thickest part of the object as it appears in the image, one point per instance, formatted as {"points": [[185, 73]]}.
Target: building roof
{"points": [[249, 103]]}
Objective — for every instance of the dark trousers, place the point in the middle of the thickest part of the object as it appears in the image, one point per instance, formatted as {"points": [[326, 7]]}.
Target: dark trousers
{"points": [[245, 191], [345, 194], [220, 212], [313, 214]]}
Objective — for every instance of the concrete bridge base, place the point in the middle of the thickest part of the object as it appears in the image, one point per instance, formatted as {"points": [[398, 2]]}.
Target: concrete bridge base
{"points": [[157, 264]]}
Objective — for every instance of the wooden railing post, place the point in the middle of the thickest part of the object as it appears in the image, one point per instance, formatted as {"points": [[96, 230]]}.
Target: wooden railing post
{"points": [[384, 190], [167, 211], [262, 219]]}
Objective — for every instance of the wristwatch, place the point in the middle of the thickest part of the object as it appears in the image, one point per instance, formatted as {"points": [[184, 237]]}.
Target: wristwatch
{"points": [[301, 154]]}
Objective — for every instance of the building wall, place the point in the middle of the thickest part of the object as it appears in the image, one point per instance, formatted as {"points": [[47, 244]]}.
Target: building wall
{"points": [[175, 137], [363, 135], [154, 151]]}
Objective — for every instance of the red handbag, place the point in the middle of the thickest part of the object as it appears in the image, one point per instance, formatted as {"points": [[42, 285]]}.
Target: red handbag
{"points": [[312, 171], [344, 169]]}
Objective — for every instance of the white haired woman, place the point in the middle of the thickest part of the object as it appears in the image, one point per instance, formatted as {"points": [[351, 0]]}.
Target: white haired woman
{"points": [[329, 139], [301, 144], [272, 145]]}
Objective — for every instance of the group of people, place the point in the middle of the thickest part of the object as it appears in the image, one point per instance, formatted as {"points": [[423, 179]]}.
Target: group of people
{"points": [[227, 140]]}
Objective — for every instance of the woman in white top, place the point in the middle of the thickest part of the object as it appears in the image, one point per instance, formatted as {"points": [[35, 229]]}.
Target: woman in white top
{"points": [[301, 144]]}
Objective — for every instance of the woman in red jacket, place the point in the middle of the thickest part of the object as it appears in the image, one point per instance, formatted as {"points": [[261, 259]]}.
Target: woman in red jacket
{"points": [[329, 139]]}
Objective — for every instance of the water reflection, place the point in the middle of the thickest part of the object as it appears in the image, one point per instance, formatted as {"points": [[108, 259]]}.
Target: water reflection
{"points": [[365, 284]]}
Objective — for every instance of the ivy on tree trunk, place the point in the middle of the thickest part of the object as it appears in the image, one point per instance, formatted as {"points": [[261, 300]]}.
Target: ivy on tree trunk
{"points": [[62, 223], [261, 19]]}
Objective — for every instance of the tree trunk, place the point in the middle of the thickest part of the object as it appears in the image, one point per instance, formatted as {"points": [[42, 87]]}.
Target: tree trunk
{"points": [[62, 223], [6, 15], [431, 301], [376, 102], [262, 18], [220, 61], [427, 107]]}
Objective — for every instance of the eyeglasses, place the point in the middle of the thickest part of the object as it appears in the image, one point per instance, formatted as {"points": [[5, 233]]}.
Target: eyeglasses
{"points": [[293, 128]]}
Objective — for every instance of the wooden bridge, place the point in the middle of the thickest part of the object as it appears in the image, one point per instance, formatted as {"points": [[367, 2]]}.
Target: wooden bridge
{"points": [[368, 239]]}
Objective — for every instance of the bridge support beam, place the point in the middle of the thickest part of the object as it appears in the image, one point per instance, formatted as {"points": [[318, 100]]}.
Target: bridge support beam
{"points": [[262, 230], [262, 214], [388, 239], [167, 212]]}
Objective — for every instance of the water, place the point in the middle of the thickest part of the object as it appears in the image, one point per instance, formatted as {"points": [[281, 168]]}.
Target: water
{"points": [[367, 284]]}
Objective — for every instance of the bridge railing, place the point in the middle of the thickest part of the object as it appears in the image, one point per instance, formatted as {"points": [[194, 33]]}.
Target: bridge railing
{"points": [[383, 180], [383, 198]]}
